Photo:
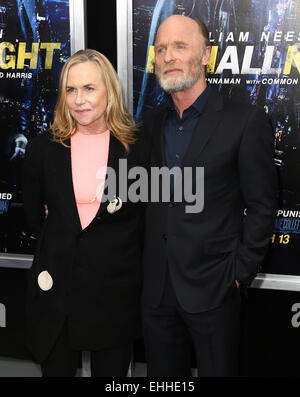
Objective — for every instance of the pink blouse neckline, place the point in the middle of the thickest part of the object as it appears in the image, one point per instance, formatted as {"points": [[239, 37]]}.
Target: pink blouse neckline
{"points": [[102, 134]]}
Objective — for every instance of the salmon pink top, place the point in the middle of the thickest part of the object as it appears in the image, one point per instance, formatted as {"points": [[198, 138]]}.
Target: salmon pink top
{"points": [[89, 156]]}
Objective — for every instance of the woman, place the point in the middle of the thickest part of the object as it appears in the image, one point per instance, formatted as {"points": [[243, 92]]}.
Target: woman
{"points": [[84, 284]]}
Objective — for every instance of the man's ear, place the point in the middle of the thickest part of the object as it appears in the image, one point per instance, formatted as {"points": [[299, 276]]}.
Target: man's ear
{"points": [[206, 55]]}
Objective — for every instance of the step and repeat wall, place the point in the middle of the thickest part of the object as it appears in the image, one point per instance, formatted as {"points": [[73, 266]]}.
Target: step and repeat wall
{"points": [[255, 58]]}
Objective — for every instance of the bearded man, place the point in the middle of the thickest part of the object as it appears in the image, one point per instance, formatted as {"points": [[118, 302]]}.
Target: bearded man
{"points": [[197, 261]]}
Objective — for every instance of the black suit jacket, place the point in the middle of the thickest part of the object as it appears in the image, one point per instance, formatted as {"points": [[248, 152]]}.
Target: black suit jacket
{"points": [[207, 251], [96, 271]]}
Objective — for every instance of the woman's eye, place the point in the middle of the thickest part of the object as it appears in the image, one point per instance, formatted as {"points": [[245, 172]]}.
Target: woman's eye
{"points": [[89, 88], [70, 89]]}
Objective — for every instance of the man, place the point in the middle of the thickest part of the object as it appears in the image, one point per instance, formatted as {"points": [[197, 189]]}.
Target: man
{"points": [[195, 263]]}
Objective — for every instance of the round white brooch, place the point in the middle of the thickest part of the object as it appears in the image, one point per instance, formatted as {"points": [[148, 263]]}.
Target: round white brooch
{"points": [[45, 281]]}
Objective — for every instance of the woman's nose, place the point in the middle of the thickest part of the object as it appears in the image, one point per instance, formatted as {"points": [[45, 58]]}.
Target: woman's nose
{"points": [[80, 98]]}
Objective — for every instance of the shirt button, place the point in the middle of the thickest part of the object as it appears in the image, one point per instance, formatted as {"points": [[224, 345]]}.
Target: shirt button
{"points": [[171, 205]]}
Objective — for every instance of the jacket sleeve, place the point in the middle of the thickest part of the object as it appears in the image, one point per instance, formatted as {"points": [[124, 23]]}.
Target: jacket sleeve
{"points": [[32, 187], [259, 185]]}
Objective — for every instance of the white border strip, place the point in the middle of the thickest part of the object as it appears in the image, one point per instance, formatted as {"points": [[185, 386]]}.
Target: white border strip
{"points": [[16, 261], [125, 50], [77, 12], [262, 280], [276, 281]]}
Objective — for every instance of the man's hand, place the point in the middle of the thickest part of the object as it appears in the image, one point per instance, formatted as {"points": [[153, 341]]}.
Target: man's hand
{"points": [[237, 283]]}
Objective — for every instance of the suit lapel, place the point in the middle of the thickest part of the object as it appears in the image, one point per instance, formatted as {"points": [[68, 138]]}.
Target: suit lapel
{"points": [[64, 176], [205, 128], [116, 151]]}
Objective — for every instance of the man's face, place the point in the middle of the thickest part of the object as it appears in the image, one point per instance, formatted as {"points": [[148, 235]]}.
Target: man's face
{"points": [[180, 55]]}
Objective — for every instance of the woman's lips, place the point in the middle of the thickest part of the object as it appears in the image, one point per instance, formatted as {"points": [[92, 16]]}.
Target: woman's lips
{"points": [[82, 111]]}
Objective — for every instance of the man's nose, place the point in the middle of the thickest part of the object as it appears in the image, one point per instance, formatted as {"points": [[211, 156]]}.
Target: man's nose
{"points": [[168, 55]]}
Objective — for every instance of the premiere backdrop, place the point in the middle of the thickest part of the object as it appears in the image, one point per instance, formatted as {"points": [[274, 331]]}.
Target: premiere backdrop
{"points": [[255, 58], [34, 44]]}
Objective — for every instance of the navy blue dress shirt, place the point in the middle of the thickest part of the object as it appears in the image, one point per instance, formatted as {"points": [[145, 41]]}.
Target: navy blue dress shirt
{"points": [[178, 132]]}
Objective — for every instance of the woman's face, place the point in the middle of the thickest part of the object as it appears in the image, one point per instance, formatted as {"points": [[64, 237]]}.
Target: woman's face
{"points": [[86, 97]]}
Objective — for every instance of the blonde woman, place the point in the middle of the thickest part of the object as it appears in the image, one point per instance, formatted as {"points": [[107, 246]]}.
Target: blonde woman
{"points": [[84, 284]]}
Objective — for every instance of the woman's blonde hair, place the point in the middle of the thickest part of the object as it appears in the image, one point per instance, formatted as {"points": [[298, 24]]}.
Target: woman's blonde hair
{"points": [[118, 120]]}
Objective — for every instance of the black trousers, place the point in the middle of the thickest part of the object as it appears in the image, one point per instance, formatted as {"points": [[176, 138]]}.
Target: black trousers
{"points": [[170, 334], [63, 360]]}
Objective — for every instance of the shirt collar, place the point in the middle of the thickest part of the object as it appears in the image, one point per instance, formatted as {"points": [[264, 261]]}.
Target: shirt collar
{"points": [[199, 103]]}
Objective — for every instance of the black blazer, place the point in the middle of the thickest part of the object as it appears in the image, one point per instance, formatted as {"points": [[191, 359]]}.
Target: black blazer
{"points": [[96, 271], [207, 251]]}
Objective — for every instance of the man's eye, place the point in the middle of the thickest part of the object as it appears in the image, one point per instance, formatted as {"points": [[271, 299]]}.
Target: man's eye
{"points": [[160, 50], [180, 47]]}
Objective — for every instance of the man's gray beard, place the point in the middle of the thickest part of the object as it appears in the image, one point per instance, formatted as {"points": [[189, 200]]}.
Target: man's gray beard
{"points": [[181, 84]]}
